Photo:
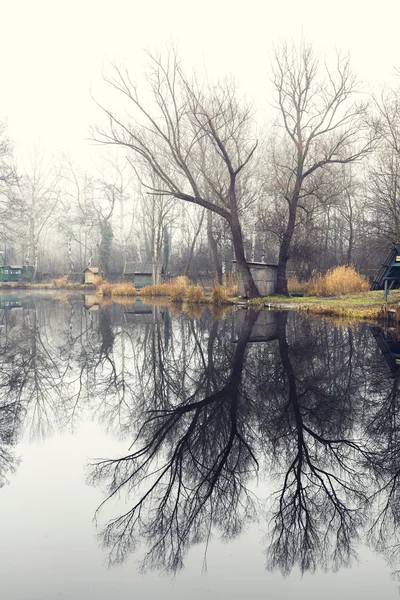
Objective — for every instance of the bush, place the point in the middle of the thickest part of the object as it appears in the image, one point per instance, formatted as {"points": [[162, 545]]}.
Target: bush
{"points": [[337, 282], [60, 282], [219, 295], [195, 294], [125, 288]]}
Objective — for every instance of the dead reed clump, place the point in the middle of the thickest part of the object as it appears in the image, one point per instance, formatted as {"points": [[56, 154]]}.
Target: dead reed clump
{"points": [[160, 289], [179, 288], [195, 295], [60, 282], [124, 288], [295, 286], [219, 295], [105, 290], [337, 282]]}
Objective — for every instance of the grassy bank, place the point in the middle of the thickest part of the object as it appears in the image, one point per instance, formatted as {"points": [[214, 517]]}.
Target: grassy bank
{"points": [[364, 305]]}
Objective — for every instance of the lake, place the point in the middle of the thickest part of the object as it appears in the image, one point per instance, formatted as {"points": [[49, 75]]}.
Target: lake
{"points": [[152, 452]]}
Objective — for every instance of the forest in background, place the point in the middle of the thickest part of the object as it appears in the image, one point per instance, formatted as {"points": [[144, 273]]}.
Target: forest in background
{"points": [[194, 178]]}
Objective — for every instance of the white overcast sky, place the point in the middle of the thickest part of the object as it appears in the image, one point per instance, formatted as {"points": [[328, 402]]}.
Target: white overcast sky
{"points": [[52, 52]]}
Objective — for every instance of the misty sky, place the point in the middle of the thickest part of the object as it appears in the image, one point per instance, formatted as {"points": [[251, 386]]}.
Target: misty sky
{"points": [[53, 52]]}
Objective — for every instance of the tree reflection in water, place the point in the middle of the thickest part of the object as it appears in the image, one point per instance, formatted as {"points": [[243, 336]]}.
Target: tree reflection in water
{"points": [[293, 406], [311, 408]]}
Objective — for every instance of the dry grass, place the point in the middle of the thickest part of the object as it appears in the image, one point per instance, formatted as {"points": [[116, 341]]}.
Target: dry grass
{"points": [[295, 286], [105, 289], [195, 295], [124, 288], [337, 282], [175, 289], [60, 282], [98, 282], [219, 295]]}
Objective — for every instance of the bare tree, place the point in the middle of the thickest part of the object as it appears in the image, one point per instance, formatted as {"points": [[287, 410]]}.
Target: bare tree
{"points": [[196, 141], [39, 195], [323, 125]]}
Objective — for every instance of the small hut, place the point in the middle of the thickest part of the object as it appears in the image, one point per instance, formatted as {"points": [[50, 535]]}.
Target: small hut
{"points": [[265, 277], [91, 274], [141, 273]]}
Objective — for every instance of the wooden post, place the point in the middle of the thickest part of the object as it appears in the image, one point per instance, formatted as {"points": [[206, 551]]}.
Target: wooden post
{"points": [[386, 290]]}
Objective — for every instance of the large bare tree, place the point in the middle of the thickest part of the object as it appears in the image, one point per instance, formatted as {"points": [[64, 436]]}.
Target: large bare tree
{"points": [[323, 122], [196, 140]]}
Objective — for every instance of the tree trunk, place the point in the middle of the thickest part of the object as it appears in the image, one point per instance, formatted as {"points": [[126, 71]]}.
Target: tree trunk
{"points": [[250, 288], [214, 248], [285, 243]]}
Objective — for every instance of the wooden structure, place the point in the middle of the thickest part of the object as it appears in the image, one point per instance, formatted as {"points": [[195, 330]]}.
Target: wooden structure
{"points": [[390, 348], [265, 277], [389, 274], [141, 273], [91, 274], [15, 272]]}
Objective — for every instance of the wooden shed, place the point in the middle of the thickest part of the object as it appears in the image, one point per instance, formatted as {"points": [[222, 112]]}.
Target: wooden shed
{"points": [[140, 273], [265, 277], [91, 274]]}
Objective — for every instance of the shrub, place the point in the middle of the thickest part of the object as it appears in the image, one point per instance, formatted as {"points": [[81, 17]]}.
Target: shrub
{"points": [[60, 282], [195, 294], [337, 282], [125, 288], [219, 295]]}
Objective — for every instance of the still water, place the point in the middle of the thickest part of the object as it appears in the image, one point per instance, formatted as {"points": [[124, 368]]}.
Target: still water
{"points": [[150, 453]]}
